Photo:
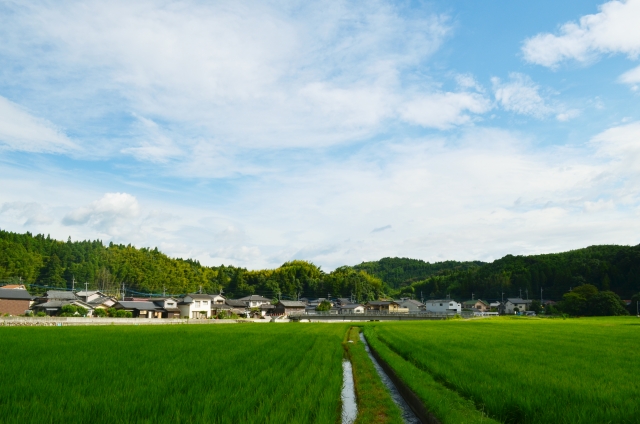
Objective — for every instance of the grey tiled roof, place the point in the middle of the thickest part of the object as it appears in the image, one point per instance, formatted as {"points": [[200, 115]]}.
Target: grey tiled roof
{"points": [[15, 294], [59, 294], [254, 298], [236, 303], [292, 304], [145, 306]]}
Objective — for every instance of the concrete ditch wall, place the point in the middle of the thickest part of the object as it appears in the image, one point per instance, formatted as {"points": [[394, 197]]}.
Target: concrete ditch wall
{"points": [[75, 321]]}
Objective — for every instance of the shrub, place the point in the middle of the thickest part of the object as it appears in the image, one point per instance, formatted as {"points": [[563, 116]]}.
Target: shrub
{"points": [[100, 312]]}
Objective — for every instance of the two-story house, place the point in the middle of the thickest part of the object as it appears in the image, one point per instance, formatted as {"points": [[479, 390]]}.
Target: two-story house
{"points": [[195, 306], [255, 301], [443, 306]]}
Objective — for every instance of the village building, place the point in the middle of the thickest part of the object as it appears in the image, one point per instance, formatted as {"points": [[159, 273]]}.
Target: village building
{"points": [[352, 308], [195, 306], [254, 301], [479, 305], [168, 307], [515, 302], [443, 306], [52, 303], [14, 301], [140, 309], [385, 306], [413, 306], [13, 287], [286, 307]]}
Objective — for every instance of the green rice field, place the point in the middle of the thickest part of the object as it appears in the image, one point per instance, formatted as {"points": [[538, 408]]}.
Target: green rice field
{"points": [[241, 373], [519, 370]]}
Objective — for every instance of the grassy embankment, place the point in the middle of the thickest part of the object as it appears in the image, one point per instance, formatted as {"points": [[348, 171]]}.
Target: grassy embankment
{"points": [[375, 405], [519, 370], [184, 374]]}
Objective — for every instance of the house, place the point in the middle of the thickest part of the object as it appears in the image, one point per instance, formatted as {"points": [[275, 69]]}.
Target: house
{"points": [[268, 309], [54, 300], [443, 306], [140, 309], [218, 299], [13, 287], [88, 296], [14, 301], [195, 306], [412, 305], [237, 305], [515, 302], [385, 306], [168, 307], [353, 308], [286, 307], [102, 302], [480, 305], [254, 301]]}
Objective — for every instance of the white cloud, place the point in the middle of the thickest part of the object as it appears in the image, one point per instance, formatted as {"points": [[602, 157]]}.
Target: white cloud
{"points": [[621, 145], [614, 29], [31, 213], [444, 110], [520, 95], [111, 214], [631, 77], [19, 130], [568, 115]]}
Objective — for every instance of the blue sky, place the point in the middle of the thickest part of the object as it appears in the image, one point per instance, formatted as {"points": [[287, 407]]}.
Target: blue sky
{"points": [[252, 133]]}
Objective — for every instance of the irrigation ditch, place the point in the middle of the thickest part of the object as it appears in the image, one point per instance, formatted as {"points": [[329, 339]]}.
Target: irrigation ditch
{"points": [[372, 391]]}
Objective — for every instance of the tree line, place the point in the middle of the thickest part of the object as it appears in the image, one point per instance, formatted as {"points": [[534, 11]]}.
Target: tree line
{"points": [[44, 263]]}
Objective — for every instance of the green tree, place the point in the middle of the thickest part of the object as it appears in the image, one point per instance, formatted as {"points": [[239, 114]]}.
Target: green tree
{"points": [[535, 306], [324, 306], [606, 303]]}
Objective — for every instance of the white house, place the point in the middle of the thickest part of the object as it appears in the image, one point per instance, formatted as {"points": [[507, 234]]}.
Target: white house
{"points": [[443, 305], [352, 309], [515, 302], [255, 301], [195, 305], [218, 299]]}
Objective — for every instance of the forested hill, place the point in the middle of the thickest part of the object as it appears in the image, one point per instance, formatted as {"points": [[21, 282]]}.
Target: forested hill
{"points": [[400, 272], [608, 267], [42, 263]]}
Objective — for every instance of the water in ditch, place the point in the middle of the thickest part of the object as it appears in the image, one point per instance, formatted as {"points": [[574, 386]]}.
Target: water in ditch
{"points": [[349, 406], [408, 415]]}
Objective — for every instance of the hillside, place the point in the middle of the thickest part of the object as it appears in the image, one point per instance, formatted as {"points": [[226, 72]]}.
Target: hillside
{"points": [[42, 262], [400, 272]]}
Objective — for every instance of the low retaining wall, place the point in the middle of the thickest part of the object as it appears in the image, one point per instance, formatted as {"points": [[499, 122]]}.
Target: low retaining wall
{"points": [[75, 321]]}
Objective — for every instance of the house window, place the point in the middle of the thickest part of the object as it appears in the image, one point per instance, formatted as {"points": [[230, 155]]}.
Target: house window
{"points": [[197, 303], [205, 302], [170, 304]]}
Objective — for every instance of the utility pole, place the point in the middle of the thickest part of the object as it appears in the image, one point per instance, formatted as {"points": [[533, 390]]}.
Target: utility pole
{"points": [[73, 283], [123, 290], [502, 297], [472, 296], [520, 293], [200, 289], [164, 291], [86, 291], [421, 296], [527, 292]]}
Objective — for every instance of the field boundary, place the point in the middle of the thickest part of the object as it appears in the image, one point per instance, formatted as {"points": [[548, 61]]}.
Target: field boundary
{"points": [[409, 396], [81, 321]]}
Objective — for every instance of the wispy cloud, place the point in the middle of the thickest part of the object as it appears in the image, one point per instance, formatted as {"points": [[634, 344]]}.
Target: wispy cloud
{"points": [[20, 130], [380, 229]]}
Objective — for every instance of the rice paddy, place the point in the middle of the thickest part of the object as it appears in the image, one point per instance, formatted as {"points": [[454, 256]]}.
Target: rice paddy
{"points": [[260, 373], [518, 370]]}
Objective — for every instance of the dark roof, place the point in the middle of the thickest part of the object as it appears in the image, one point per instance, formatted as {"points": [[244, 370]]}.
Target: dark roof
{"points": [[100, 300], [517, 300], [381, 302], [292, 304], [144, 306], [221, 307], [56, 303], [15, 294], [254, 298], [415, 302], [59, 294], [268, 306], [350, 306], [199, 296], [236, 303]]}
